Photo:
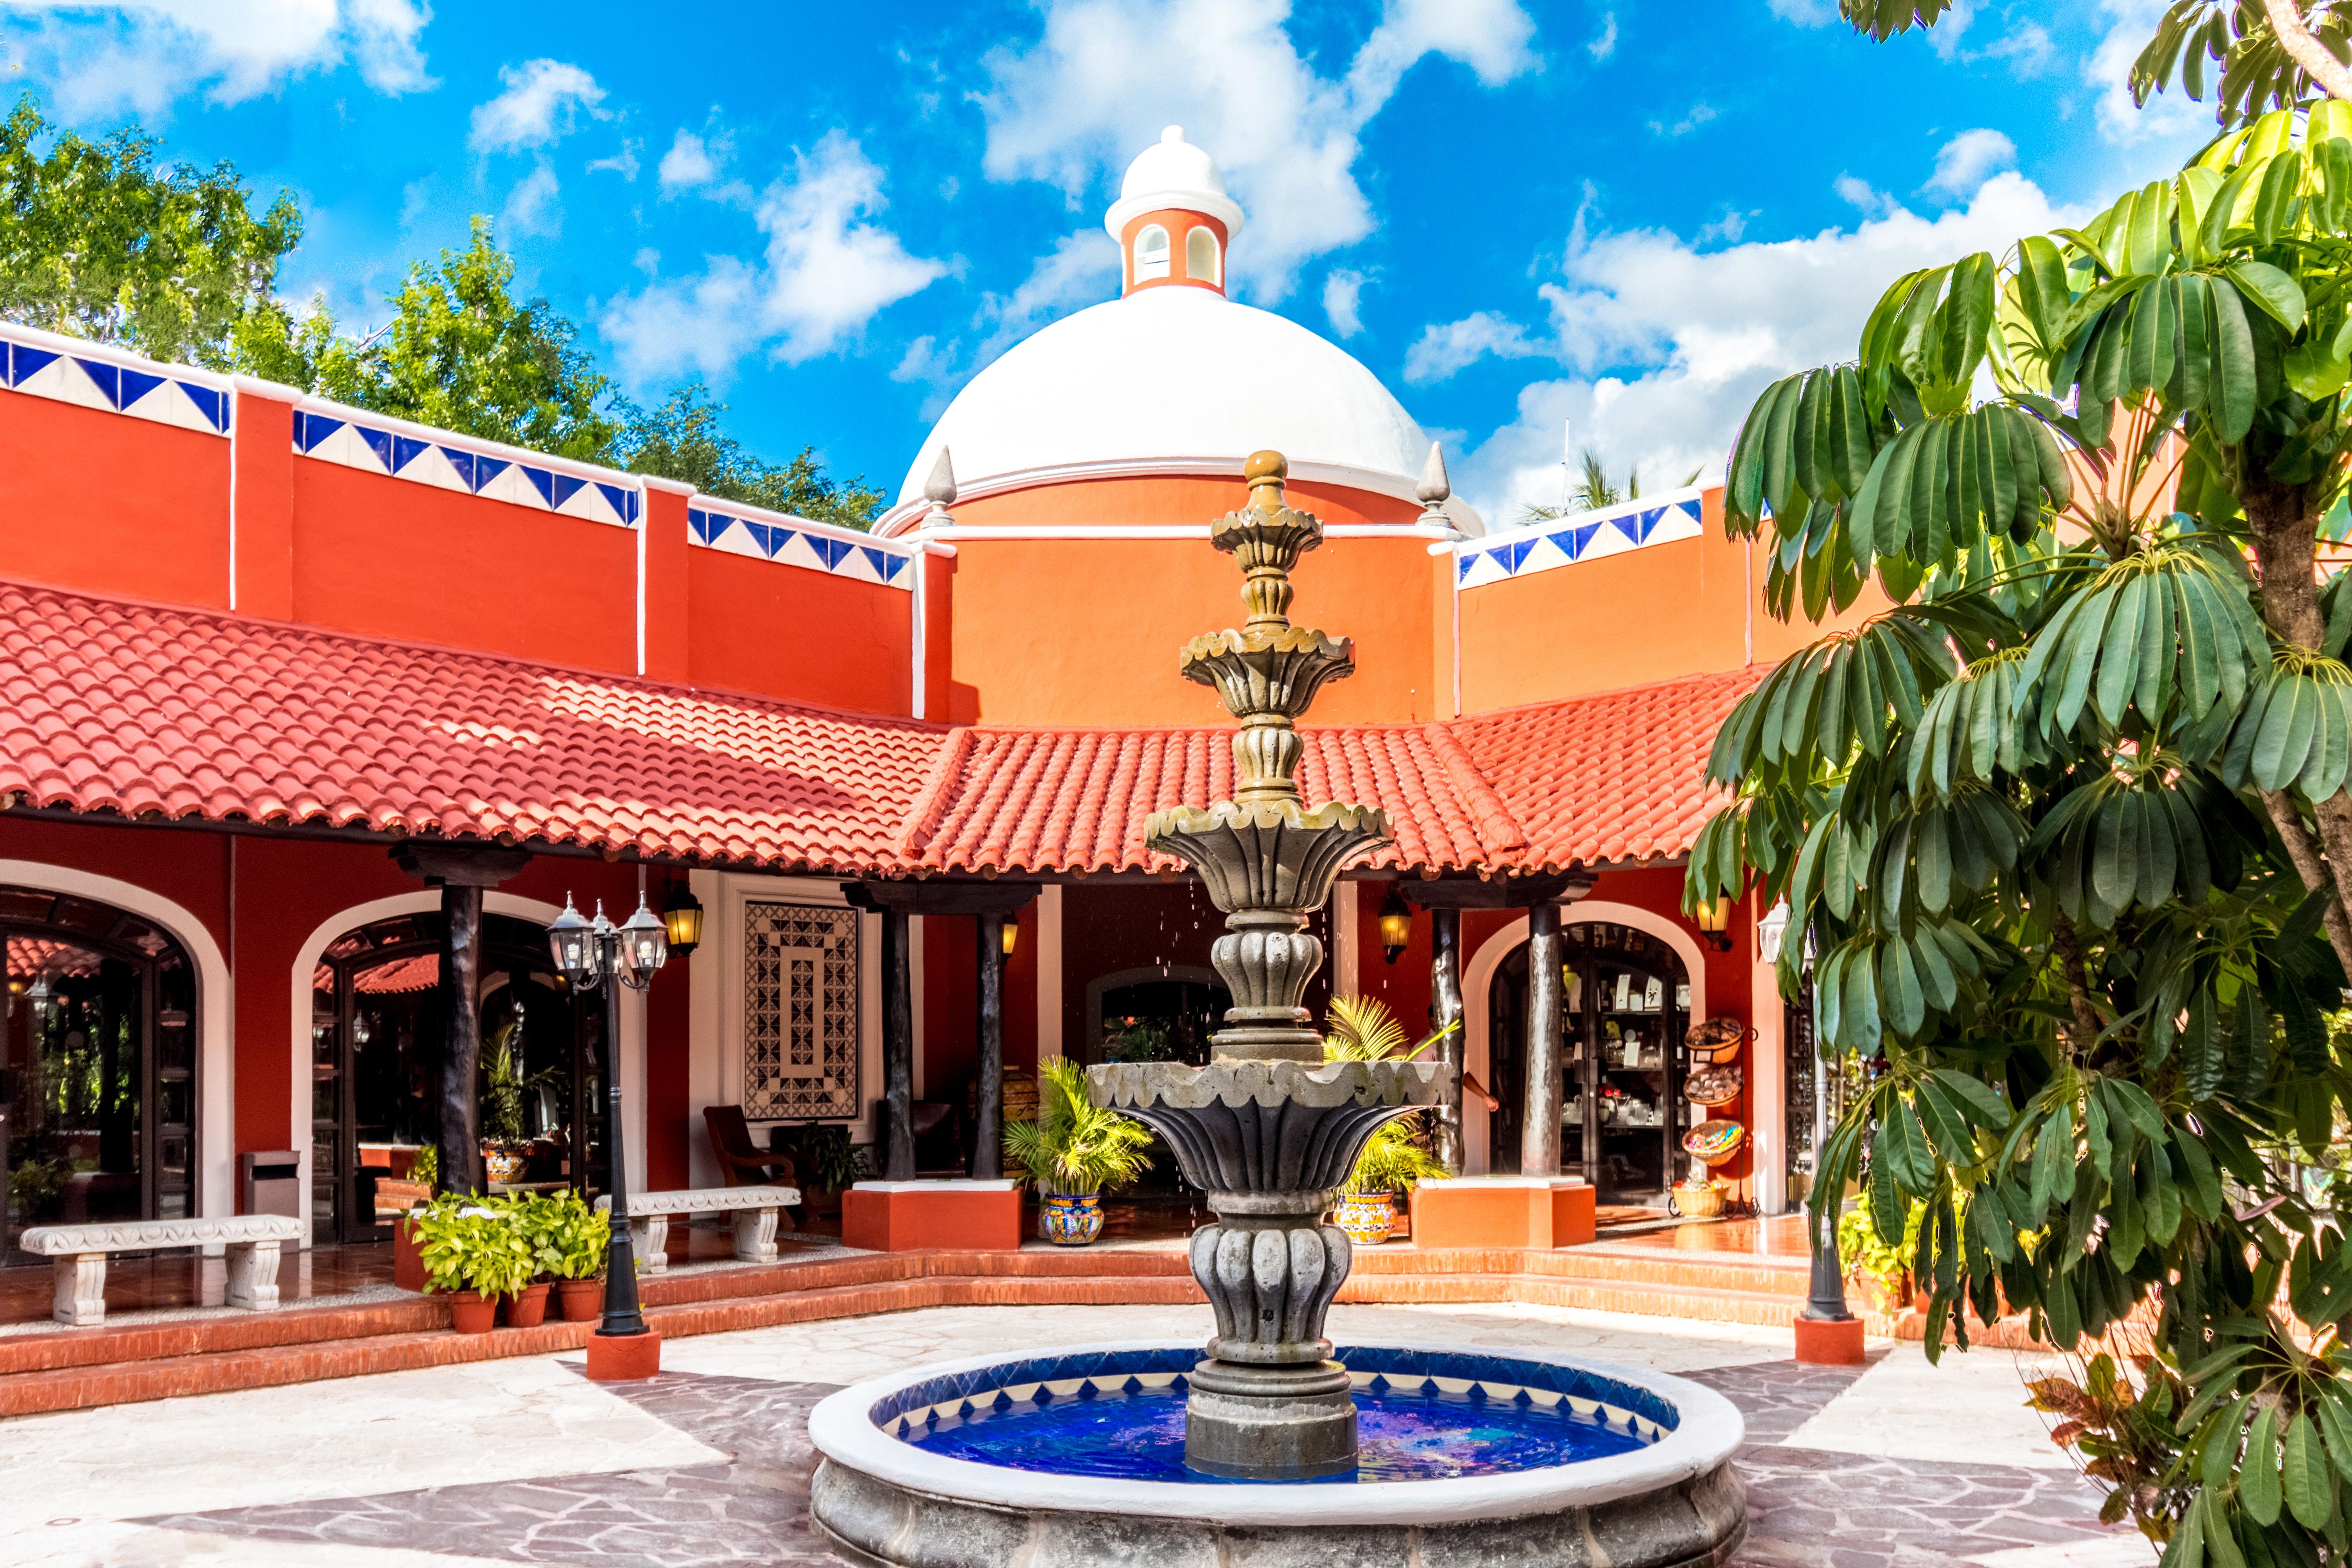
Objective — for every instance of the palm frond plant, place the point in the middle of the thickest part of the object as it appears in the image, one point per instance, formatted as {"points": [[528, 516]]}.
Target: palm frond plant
{"points": [[1363, 1029], [1393, 1160], [1075, 1147]]}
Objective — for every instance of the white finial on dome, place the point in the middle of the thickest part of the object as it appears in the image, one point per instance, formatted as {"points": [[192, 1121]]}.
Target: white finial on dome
{"points": [[940, 488], [1173, 175], [1434, 487]]}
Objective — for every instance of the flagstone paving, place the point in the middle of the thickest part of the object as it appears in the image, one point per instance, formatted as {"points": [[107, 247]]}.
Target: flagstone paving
{"points": [[525, 1462]]}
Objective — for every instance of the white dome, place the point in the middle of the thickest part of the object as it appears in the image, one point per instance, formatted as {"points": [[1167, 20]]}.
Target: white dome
{"points": [[1172, 373], [1173, 175]]}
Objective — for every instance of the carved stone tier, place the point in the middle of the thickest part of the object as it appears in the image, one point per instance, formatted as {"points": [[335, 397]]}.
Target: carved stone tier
{"points": [[1262, 673], [1267, 538], [1267, 855], [1276, 1138]]}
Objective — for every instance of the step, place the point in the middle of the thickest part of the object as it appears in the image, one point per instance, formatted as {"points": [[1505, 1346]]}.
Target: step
{"points": [[1697, 1272], [1639, 1297]]}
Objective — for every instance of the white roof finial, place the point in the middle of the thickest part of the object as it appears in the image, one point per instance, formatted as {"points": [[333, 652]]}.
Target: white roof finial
{"points": [[1173, 175], [1172, 133], [1434, 487], [939, 489]]}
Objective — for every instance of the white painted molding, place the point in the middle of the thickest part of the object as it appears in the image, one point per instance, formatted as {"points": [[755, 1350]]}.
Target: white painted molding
{"points": [[215, 1007]]}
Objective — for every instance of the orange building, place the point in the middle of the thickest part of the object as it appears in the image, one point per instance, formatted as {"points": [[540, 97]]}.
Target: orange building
{"points": [[299, 696]]}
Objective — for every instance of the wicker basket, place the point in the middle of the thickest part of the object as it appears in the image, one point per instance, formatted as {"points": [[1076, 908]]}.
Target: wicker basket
{"points": [[1699, 1199], [1715, 1142], [1717, 1040], [1712, 1086]]}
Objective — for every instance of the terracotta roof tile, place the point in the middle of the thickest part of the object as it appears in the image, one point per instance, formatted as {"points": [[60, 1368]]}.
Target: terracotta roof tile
{"points": [[106, 706]]}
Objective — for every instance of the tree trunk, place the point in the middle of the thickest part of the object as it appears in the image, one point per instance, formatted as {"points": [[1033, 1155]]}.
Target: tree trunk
{"points": [[2286, 555], [2304, 48]]}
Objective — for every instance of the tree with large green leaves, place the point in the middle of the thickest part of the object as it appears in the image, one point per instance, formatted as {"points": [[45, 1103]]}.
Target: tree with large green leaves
{"points": [[2063, 827], [98, 242]]}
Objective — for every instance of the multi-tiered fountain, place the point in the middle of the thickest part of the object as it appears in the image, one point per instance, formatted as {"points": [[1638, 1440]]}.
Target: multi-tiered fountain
{"points": [[1268, 1129], [1252, 1456]]}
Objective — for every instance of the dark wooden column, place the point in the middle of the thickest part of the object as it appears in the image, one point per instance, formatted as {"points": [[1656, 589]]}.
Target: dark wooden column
{"points": [[1547, 1012], [1445, 1002], [898, 901], [897, 1050], [462, 872], [1541, 894], [988, 1101]]}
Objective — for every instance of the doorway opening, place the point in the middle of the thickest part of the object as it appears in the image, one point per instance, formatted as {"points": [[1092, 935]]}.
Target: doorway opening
{"points": [[376, 1029], [98, 1067]]}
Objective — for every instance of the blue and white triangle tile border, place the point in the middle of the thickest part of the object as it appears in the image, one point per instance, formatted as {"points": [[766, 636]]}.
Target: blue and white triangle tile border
{"points": [[795, 542], [104, 382], [1584, 536], [349, 439]]}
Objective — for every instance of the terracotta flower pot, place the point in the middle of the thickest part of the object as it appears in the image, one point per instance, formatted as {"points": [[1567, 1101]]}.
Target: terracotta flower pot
{"points": [[580, 1300], [528, 1309], [1070, 1219], [407, 1267], [1368, 1218], [471, 1313]]}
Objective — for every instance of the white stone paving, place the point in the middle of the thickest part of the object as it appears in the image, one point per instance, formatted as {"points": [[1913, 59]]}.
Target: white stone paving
{"points": [[1971, 1409]]}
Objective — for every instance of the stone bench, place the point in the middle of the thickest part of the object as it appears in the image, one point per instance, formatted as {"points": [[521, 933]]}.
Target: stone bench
{"points": [[250, 1241], [754, 1210]]}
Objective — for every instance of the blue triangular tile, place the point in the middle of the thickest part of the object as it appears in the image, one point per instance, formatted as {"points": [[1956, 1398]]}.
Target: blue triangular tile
{"points": [[407, 449], [563, 488], [1517, 553], [834, 551], [897, 564], [774, 539], [463, 462], [759, 532], [621, 499], [379, 442], [138, 384], [309, 429], [488, 468], [543, 482], [107, 378], [213, 406], [1462, 567], [878, 558], [30, 361], [698, 523]]}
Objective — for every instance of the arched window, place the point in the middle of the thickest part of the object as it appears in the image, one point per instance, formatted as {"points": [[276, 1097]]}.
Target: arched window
{"points": [[1200, 255], [1151, 252]]}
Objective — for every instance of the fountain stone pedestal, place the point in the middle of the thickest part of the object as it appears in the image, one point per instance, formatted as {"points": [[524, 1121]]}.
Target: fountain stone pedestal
{"points": [[1268, 1129]]}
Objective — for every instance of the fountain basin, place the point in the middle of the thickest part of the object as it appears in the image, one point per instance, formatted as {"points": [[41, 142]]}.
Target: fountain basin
{"points": [[897, 1487]]}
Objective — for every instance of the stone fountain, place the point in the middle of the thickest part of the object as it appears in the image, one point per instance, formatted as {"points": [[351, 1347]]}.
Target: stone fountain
{"points": [[1268, 1129], [1078, 1455]]}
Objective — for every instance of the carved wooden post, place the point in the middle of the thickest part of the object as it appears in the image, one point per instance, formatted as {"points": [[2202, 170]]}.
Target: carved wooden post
{"points": [[988, 1133], [1547, 1008], [897, 1049], [1446, 996], [462, 872]]}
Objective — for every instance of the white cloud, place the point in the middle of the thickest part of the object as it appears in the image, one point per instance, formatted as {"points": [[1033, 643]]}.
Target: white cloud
{"points": [[532, 207], [1343, 292], [1081, 269], [1699, 114], [1806, 12], [139, 55], [1667, 344], [623, 162], [687, 162], [1443, 349], [1969, 159], [2172, 113], [1095, 89], [1857, 193], [824, 274], [540, 105], [1604, 43]]}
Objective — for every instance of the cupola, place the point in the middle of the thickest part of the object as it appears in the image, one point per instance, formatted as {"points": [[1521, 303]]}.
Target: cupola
{"points": [[1173, 220]]}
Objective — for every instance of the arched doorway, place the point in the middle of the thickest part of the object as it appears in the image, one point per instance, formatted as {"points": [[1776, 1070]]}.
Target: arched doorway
{"points": [[1621, 1111], [1161, 1012], [376, 1031], [99, 1060]]}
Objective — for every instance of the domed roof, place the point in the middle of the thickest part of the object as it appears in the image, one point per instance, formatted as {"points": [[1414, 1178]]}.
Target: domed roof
{"points": [[1172, 373], [1173, 173]]}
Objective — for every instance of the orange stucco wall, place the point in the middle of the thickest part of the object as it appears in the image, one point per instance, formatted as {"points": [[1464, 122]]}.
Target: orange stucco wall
{"points": [[111, 504], [1085, 632], [754, 626]]}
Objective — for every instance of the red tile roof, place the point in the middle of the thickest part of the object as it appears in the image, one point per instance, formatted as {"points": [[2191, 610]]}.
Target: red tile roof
{"points": [[114, 707]]}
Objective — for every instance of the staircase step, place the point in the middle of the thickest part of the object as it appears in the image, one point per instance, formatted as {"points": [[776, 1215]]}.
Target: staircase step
{"points": [[1639, 1297]]}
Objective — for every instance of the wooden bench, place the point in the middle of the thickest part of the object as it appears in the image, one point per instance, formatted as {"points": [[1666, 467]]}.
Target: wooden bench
{"points": [[78, 1251], [753, 1209]]}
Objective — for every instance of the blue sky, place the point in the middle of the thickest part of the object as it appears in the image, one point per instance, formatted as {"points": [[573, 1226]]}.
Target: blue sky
{"points": [[1624, 216]]}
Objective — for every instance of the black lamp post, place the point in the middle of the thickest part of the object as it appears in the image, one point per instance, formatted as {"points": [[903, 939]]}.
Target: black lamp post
{"points": [[590, 954]]}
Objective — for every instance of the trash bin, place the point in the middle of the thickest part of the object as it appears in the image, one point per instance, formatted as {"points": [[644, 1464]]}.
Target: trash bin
{"points": [[270, 1182]]}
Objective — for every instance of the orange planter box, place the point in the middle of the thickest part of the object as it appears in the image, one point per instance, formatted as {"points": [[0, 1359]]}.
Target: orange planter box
{"points": [[1502, 1211], [908, 1216]]}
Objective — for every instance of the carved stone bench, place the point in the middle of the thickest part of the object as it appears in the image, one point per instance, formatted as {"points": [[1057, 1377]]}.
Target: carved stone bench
{"points": [[753, 1209], [78, 1251]]}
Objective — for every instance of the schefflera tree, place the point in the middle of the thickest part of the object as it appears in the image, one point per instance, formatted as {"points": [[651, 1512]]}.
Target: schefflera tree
{"points": [[2063, 829]]}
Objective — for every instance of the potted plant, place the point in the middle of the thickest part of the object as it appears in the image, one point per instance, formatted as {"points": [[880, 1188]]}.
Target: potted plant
{"points": [[577, 1236], [504, 1155], [473, 1252], [1363, 1029], [824, 1166], [1072, 1151], [1884, 1272]]}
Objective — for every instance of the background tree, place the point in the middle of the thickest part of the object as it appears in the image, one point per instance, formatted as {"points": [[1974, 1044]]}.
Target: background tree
{"points": [[98, 242], [1595, 490], [681, 439], [2063, 826]]}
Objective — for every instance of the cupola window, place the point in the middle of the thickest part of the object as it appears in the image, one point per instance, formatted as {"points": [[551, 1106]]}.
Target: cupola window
{"points": [[1200, 259], [1151, 252]]}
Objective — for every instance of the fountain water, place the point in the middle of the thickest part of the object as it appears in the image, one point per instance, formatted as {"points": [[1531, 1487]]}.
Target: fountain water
{"points": [[1462, 1458]]}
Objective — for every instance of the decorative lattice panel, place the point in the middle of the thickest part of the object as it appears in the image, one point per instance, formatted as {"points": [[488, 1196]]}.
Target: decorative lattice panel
{"points": [[800, 1013]]}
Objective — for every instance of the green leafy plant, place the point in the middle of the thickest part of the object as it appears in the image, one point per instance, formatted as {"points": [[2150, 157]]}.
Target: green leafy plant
{"points": [[1885, 1265], [1363, 1029], [425, 1168], [472, 1243], [2067, 825], [1140, 1040], [503, 1085], [34, 1183], [567, 1239], [1075, 1146], [823, 1156]]}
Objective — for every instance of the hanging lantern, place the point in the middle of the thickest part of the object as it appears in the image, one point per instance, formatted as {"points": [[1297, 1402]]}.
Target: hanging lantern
{"points": [[681, 917], [1396, 923], [644, 945], [573, 941], [1713, 921], [1012, 935]]}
